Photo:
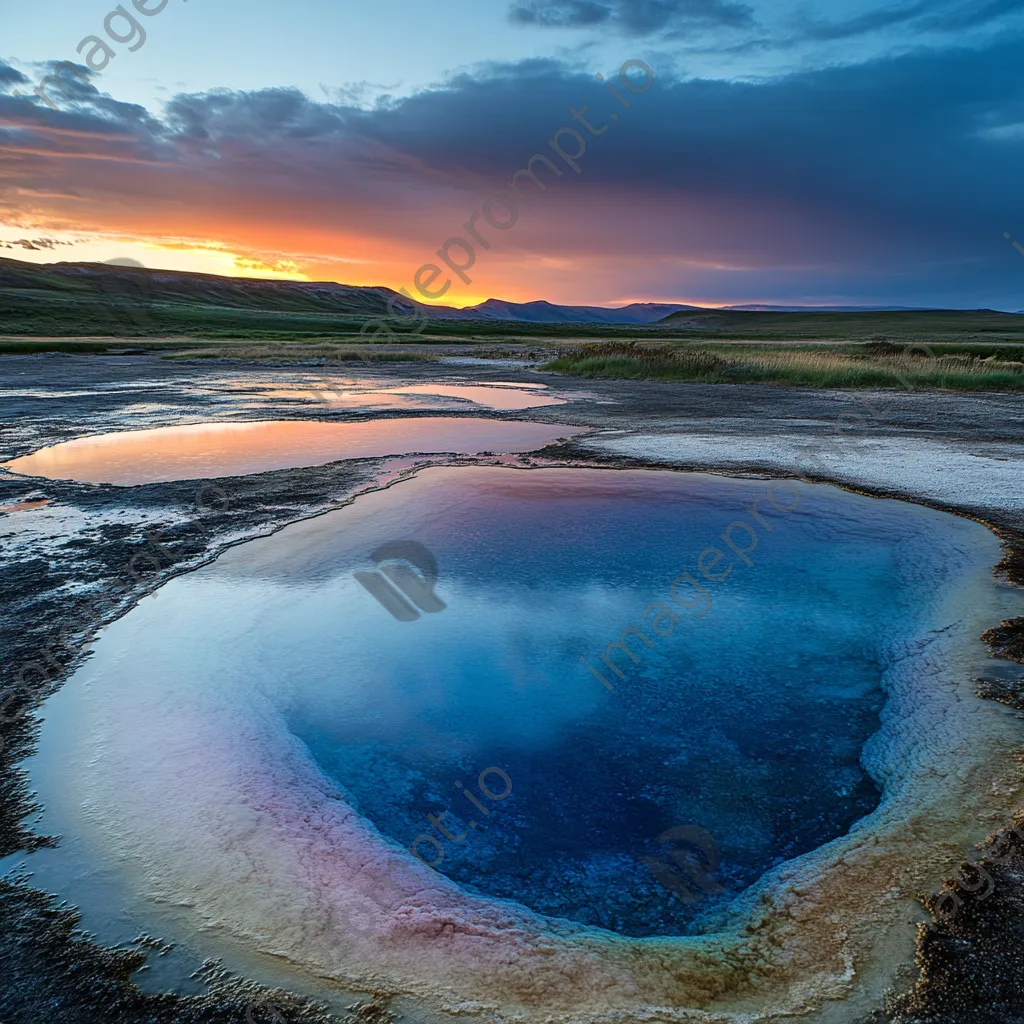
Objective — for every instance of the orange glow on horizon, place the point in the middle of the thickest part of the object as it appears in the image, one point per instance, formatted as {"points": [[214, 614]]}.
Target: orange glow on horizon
{"points": [[221, 260], [260, 251]]}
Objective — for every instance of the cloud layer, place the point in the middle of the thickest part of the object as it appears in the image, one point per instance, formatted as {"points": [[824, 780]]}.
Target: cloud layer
{"points": [[889, 181], [637, 17]]}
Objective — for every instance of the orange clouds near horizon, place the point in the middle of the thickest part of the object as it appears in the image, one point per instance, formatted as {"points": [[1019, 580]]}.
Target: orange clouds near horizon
{"points": [[353, 210]]}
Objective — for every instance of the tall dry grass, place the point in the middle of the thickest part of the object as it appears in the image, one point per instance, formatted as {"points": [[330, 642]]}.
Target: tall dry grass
{"points": [[865, 366]]}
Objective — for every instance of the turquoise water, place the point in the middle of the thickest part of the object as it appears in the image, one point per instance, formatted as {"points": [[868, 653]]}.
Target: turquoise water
{"points": [[744, 725]]}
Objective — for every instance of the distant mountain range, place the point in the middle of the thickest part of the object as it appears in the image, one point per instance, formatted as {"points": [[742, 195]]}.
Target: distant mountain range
{"points": [[634, 313], [761, 308], [541, 312], [34, 297]]}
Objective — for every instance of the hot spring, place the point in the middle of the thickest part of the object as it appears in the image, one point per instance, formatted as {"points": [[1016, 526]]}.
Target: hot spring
{"points": [[621, 729]]}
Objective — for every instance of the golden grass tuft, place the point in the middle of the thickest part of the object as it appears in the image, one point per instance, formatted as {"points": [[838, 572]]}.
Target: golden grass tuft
{"points": [[873, 365]]}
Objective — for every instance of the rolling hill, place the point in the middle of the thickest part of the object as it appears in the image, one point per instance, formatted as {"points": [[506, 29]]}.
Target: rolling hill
{"points": [[99, 300]]}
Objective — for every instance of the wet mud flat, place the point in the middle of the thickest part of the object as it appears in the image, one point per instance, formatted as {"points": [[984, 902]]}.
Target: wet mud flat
{"points": [[88, 557]]}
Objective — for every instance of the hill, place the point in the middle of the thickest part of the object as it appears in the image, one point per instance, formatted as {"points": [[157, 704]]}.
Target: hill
{"points": [[823, 325], [61, 300], [105, 299]]}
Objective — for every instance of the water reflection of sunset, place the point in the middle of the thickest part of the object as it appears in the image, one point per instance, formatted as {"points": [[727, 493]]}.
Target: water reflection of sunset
{"points": [[26, 506], [495, 397], [418, 396], [208, 450]]}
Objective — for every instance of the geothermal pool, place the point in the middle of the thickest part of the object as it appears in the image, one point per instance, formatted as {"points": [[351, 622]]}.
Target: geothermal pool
{"points": [[208, 450], [708, 729], [262, 746]]}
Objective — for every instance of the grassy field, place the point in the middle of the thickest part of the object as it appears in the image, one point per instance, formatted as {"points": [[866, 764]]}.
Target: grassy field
{"points": [[101, 301], [867, 325], [959, 366], [254, 351], [99, 308], [279, 353]]}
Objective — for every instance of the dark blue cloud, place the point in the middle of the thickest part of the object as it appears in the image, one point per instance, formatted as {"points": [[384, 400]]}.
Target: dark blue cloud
{"points": [[77, 103], [971, 15], [916, 17], [637, 17], [10, 76], [566, 14], [679, 19]]}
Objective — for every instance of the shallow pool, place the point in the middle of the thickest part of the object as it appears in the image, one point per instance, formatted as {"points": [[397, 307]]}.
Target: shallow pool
{"points": [[492, 395], [724, 747], [209, 450]]}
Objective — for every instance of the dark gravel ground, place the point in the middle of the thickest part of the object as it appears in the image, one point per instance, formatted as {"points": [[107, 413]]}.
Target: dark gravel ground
{"points": [[58, 590]]}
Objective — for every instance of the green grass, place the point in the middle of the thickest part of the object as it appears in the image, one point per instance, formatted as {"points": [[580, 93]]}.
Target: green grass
{"points": [[66, 304], [871, 365], [14, 347], [296, 353], [865, 325]]}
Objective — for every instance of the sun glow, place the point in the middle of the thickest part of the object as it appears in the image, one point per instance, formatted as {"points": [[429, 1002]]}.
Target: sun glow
{"points": [[38, 244]]}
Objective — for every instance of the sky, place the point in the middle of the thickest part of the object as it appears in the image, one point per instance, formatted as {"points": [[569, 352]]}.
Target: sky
{"points": [[772, 151]]}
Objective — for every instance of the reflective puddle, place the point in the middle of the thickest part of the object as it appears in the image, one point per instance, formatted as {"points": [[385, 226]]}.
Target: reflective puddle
{"points": [[26, 506], [493, 396], [208, 450], [379, 393]]}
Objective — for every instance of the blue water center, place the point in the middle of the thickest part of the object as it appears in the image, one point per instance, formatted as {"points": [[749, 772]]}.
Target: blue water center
{"points": [[613, 704]]}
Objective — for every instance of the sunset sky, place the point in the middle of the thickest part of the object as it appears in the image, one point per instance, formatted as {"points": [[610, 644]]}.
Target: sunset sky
{"points": [[842, 153]]}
